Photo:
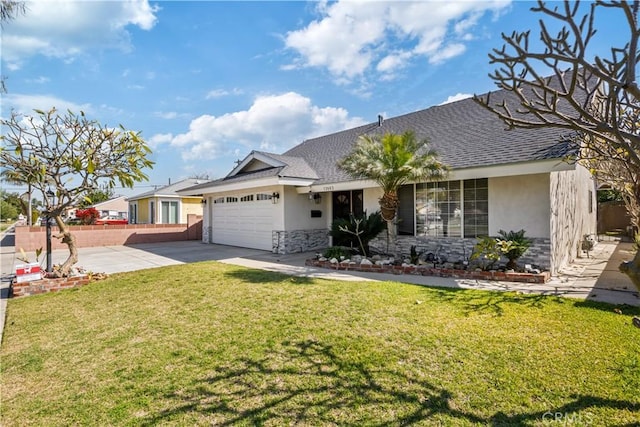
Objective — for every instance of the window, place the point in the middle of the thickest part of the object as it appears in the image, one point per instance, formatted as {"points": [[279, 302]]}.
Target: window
{"points": [[152, 212], [476, 207], [218, 200], [231, 199], [263, 196], [445, 209], [169, 212], [438, 211], [133, 213], [247, 198]]}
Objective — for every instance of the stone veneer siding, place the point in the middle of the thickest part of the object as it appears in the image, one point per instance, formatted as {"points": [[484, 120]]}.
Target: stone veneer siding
{"points": [[207, 233], [287, 242], [459, 249]]}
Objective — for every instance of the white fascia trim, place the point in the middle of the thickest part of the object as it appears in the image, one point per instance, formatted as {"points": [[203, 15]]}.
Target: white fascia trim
{"points": [[296, 181], [258, 156], [244, 185], [338, 186], [513, 169]]}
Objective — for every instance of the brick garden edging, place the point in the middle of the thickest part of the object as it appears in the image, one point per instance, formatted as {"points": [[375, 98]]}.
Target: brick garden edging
{"points": [[430, 271], [46, 285]]}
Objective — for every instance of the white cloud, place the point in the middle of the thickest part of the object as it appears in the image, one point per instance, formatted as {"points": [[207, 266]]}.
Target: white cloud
{"points": [[273, 122], [351, 36], [456, 97], [166, 115], [219, 93], [447, 52], [65, 29], [39, 80], [159, 139], [25, 104]]}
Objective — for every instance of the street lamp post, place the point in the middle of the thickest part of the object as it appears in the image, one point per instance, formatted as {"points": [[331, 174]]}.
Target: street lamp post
{"points": [[51, 196]]}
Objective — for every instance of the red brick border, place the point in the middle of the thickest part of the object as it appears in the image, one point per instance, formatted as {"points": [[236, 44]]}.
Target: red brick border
{"points": [[438, 272], [47, 285]]}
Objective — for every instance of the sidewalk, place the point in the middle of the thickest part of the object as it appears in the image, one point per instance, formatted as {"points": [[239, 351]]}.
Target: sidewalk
{"points": [[595, 278]]}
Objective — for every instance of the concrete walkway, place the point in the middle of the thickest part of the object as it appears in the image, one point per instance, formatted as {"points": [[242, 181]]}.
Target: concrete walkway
{"points": [[595, 278]]}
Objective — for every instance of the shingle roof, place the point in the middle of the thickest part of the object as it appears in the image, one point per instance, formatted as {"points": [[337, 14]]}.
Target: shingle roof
{"points": [[169, 190], [463, 133], [296, 167]]}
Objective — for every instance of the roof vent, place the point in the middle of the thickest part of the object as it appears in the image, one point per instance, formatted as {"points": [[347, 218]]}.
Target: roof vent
{"points": [[380, 120]]}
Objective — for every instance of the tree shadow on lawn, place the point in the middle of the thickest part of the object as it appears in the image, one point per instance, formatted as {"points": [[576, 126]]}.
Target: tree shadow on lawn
{"points": [[308, 382], [486, 302], [265, 276], [625, 309]]}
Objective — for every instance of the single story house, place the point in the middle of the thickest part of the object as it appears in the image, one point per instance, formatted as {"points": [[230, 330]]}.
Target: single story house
{"points": [[164, 205], [500, 180], [117, 207]]}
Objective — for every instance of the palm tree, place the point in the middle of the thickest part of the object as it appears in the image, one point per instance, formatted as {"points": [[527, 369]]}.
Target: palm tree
{"points": [[393, 160]]}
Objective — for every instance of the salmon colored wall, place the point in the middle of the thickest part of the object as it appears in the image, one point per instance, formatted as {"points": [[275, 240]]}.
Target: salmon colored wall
{"points": [[32, 238]]}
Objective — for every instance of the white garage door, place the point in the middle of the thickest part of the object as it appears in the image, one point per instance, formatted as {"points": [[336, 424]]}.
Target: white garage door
{"points": [[244, 221]]}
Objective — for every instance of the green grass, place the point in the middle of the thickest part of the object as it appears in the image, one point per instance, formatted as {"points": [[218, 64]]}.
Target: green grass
{"points": [[212, 344]]}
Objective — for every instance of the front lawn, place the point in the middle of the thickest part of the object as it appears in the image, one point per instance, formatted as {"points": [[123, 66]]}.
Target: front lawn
{"points": [[213, 344]]}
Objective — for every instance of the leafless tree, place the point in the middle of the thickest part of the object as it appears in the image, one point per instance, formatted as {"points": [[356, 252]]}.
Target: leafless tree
{"points": [[564, 83]]}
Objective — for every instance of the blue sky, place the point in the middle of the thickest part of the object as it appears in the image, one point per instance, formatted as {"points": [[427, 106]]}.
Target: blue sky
{"points": [[206, 82]]}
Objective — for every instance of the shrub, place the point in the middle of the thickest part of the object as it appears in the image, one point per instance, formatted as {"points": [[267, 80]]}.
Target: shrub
{"points": [[513, 245], [357, 232], [88, 216], [489, 249], [336, 252], [487, 252]]}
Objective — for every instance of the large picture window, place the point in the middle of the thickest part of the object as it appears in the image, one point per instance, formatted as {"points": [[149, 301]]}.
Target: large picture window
{"points": [[445, 209]]}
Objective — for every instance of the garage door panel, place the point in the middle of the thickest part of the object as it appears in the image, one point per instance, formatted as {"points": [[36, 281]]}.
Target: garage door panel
{"points": [[244, 224]]}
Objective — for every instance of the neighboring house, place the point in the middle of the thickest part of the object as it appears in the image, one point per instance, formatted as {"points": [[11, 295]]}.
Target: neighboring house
{"points": [[117, 207], [500, 180], [164, 205]]}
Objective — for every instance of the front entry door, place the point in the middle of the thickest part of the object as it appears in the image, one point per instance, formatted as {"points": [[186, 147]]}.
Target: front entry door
{"points": [[347, 202]]}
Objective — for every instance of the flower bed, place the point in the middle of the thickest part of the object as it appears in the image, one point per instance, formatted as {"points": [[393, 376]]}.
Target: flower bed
{"points": [[422, 270]]}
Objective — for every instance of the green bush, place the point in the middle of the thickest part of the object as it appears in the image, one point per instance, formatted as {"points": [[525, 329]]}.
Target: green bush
{"points": [[486, 252], [336, 252], [356, 233], [513, 245]]}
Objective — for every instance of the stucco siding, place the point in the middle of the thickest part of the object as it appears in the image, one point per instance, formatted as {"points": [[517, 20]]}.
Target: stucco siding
{"points": [[573, 214], [297, 211], [143, 211], [190, 206], [520, 203]]}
